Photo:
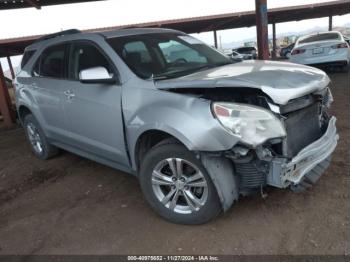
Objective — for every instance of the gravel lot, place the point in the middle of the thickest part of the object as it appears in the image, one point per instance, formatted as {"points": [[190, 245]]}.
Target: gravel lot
{"points": [[70, 205]]}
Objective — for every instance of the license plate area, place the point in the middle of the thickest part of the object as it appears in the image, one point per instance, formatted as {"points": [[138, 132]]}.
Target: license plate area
{"points": [[317, 51]]}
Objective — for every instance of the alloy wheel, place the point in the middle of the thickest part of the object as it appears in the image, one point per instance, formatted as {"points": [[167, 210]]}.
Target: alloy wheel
{"points": [[34, 138], [179, 185]]}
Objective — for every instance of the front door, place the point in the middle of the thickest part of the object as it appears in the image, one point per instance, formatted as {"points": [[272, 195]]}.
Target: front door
{"points": [[93, 111]]}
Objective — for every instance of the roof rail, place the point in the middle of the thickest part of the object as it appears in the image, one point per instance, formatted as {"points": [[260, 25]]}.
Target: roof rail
{"points": [[61, 33]]}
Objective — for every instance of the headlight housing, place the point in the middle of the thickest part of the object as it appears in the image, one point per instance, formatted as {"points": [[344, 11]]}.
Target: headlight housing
{"points": [[254, 125], [328, 98]]}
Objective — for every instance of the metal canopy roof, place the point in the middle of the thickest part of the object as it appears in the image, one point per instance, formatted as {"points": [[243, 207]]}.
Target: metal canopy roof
{"points": [[247, 19], [14, 4], [208, 23]]}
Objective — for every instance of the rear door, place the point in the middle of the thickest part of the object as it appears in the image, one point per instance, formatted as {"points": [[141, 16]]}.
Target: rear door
{"points": [[94, 110], [47, 86]]}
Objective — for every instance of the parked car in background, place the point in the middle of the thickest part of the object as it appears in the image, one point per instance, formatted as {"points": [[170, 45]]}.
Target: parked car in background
{"points": [[242, 56], [249, 51], [328, 49], [237, 56], [198, 130], [286, 51]]}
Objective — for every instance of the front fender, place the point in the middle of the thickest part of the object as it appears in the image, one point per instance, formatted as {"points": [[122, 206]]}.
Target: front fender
{"points": [[187, 118]]}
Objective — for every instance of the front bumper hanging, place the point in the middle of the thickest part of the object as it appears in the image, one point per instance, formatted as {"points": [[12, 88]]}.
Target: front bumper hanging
{"points": [[283, 173]]}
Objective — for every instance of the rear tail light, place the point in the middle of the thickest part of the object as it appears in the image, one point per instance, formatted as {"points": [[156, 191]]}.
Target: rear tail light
{"points": [[298, 51], [342, 45]]}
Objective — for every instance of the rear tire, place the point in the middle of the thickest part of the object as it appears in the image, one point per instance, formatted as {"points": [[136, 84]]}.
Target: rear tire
{"points": [[37, 139], [190, 199]]}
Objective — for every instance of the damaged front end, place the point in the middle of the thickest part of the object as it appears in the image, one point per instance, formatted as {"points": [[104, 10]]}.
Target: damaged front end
{"points": [[280, 145], [295, 159]]}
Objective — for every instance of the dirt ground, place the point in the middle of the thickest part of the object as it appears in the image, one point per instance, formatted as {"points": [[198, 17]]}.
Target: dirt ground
{"points": [[70, 205]]}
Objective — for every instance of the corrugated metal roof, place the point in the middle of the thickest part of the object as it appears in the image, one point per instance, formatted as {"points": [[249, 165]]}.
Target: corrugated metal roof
{"points": [[211, 22]]}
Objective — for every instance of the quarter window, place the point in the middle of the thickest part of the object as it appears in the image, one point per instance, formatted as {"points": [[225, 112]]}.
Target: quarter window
{"points": [[84, 56]]}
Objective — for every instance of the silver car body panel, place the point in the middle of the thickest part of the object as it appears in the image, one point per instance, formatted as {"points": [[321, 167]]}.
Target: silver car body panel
{"points": [[281, 81], [187, 118], [135, 106], [144, 107]]}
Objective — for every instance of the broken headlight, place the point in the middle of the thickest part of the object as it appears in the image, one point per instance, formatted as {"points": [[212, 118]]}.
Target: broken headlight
{"points": [[254, 125]]}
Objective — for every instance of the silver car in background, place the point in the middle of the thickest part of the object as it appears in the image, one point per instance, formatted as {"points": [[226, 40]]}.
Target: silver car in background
{"points": [[198, 130], [322, 49], [237, 55]]}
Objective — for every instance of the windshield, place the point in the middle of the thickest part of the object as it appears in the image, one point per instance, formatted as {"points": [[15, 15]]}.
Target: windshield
{"points": [[161, 56], [320, 37]]}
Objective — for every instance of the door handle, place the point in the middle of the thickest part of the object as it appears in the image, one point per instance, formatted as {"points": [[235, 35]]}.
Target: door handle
{"points": [[69, 94]]}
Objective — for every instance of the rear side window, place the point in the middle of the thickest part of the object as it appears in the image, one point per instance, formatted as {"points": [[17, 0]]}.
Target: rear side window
{"points": [[51, 62], [26, 56], [85, 56], [320, 37]]}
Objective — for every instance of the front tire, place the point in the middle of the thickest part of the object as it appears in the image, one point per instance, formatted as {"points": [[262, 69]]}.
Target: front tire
{"points": [[37, 139], [177, 186]]}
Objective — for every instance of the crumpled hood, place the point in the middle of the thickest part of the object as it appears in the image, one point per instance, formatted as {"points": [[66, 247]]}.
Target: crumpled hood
{"points": [[281, 81]]}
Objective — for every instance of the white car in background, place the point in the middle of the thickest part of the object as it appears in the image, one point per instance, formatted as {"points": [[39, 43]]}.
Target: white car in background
{"points": [[328, 49], [237, 56]]}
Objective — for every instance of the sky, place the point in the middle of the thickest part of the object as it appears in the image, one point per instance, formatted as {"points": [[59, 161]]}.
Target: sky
{"points": [[30, 21]]}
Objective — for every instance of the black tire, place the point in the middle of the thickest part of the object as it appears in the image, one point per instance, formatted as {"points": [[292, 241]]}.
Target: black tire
{"points": [[48, 150], [172, 149]]}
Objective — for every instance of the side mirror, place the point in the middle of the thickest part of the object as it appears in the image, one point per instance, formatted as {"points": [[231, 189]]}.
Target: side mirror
{"points": [[96, 75]]}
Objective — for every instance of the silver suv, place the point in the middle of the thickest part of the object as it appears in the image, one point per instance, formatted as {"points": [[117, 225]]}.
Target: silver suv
{"points": [[198, 130]]}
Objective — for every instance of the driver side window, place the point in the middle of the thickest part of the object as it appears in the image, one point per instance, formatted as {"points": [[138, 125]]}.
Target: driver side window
{"points": [[85, 56], [174, 51]]}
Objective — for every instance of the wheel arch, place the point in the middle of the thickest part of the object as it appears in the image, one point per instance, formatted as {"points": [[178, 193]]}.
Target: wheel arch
{"points": [[151, 137], [219, 168], [23, 111]]}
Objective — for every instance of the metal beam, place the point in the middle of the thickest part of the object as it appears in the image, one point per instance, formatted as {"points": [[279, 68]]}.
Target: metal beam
{"points": [[11, 67], [261, 29], [215, 39], [33, 4], [274, 46], [5, 102], [330, 23]]}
